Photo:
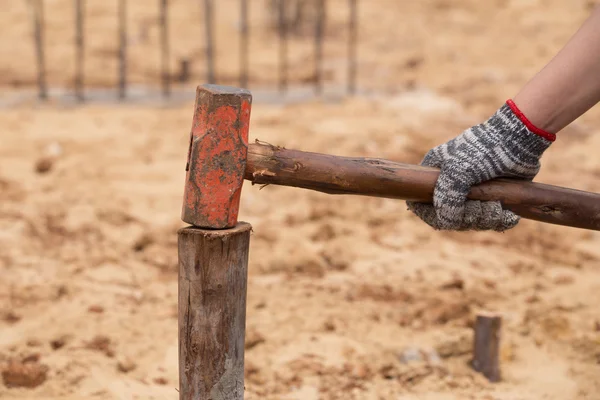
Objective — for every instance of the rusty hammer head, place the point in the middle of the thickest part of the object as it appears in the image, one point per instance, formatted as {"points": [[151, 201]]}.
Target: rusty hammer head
{"points": [[216, 157]]}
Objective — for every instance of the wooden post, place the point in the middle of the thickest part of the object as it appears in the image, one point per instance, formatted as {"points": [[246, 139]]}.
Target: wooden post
{"points": [[37, 10], [122, 47], [164, 45], [208, 22], [352, 39], [79, 49], [244, 39], [486, 346], [213, 268]]}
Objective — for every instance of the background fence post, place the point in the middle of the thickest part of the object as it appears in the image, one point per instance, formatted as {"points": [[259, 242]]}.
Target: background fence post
{"points": [[282, 30], [208, 20], [213, 269], [164, 44], [122, 47], [244, 39], [352, 39], [319, 31], [79, 49], [37, 12]]}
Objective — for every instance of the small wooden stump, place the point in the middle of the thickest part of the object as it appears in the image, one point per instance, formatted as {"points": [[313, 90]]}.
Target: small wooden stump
{"points": [[213, 269], [486, 346]]}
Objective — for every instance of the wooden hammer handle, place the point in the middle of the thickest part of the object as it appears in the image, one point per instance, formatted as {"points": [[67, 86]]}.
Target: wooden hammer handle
{"points": [[268, 164]]}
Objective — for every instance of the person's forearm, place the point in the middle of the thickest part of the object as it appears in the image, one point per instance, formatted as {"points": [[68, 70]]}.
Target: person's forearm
{"points": [[569, 84]]}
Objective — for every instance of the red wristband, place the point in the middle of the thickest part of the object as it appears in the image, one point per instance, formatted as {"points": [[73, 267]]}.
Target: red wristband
{"points": [[540, 132]]}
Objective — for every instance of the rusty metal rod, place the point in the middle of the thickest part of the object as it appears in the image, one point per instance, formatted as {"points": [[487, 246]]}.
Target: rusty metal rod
{"points": [[122, 48], [79, 49], [244, 41], [283, 47], [164, 45], [319, 31], [208, 23], [352, 39], [37, 9]]}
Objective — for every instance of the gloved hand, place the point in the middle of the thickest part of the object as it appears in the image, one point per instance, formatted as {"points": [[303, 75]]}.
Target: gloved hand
{"points": [[506, 145]]}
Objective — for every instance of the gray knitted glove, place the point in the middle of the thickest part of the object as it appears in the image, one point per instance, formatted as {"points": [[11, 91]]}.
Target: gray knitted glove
{"points": [[506, 145]]}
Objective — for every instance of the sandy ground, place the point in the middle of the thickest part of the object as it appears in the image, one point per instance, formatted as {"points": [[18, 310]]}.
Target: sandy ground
{"points": [[348, 297]]}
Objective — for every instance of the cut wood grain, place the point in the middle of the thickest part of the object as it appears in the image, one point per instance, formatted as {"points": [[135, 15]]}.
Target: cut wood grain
{"points": [[213, 269]]}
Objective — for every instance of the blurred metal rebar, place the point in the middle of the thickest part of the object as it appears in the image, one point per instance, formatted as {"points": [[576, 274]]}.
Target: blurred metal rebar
{"points": [[244, 41], [289, 16], [164, 45], [352, 39], [283, 45], [79, 50], [122, 48], [319, 31], [208, 22], [37, 12]]}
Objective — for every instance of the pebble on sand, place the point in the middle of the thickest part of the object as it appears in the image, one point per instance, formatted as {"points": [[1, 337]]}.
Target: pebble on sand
{"points": [[28, 373]]}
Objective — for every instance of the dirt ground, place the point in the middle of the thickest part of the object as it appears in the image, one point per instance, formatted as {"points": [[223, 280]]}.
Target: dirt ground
{"points": [[348, 297]]}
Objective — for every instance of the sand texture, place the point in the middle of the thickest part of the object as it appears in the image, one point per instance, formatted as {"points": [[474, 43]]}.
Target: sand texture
{"points": [[348, 297]]}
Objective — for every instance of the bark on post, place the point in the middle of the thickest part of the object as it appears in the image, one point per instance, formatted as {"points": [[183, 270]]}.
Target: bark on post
{"points": [[486, 346], [274, 165], [213, 268]]}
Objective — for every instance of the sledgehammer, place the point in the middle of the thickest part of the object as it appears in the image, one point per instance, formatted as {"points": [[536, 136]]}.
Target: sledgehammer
{"points": [[220, 158]]}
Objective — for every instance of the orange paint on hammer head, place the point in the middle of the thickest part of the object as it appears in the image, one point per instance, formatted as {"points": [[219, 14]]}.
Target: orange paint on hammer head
{"points": [[217, 156]]}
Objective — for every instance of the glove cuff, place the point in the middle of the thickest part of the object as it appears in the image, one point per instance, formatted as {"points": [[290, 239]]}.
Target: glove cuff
{"points": [[530, 126]]}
